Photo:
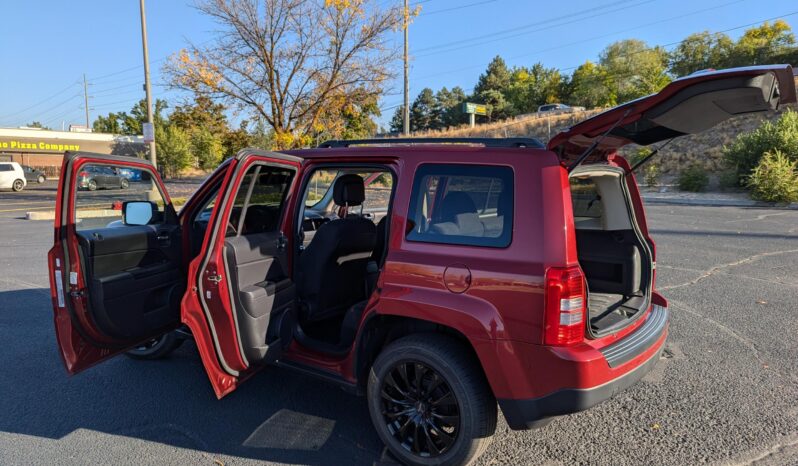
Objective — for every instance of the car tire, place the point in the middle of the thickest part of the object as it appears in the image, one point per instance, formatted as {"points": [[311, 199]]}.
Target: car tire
{"points": [[124, 184], [17, 185], [156, 348], [91, 185], [442, 412], [41, 179]]}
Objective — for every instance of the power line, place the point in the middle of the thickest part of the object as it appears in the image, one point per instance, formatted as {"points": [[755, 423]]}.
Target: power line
{"points": [[546, 21], [45, 100], [445, 10], [590, 39]]}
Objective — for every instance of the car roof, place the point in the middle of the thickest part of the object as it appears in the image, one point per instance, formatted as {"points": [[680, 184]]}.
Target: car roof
{"points": [[425, 152]]}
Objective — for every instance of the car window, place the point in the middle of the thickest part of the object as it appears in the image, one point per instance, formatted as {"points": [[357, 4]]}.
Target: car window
{"points": [[586, 199], [462, 204], [99, 205], [6, 167], [378, 190], [260, 200]]}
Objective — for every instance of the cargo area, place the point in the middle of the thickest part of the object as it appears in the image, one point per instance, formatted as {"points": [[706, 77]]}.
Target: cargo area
{"points": [[613, 255]]}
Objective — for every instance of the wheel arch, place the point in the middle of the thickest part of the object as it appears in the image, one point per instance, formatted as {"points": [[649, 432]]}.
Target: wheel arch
{"points": [[379, 330]]}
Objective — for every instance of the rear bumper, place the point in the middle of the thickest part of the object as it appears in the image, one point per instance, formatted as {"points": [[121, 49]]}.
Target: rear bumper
{"points": [[628, 360]]}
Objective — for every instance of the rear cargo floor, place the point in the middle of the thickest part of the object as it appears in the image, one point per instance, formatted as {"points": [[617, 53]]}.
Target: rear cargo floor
{"points": [[604, 309]]}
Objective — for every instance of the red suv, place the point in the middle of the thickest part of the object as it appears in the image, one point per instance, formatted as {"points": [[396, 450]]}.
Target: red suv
{"points": [[436, 277]]}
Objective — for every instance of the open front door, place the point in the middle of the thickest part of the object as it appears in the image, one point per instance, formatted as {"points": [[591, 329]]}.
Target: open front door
{"points": [[240, 306], [115, 275]]}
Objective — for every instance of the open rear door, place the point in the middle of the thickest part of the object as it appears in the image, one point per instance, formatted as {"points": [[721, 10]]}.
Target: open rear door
{"points": [[687, 105], [240, 304], [115, 280]]}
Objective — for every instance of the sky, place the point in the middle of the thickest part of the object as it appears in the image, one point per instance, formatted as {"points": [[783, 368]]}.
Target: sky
{"points": [[46, 46]]}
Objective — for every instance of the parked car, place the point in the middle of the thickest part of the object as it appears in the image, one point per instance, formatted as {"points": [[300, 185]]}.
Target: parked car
{"points": [[502, 273], [130, 174], [95, 177], [32, 174], [12, 176], [558, 108]]}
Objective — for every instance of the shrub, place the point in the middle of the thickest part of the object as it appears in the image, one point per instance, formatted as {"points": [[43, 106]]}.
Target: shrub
{"points": [[693, 178], [651, 174], [774, 179], [728, 179], [746, 151]]}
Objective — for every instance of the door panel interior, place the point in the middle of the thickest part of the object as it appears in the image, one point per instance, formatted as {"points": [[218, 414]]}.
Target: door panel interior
{"points": [[134, 281], [262, 291]]}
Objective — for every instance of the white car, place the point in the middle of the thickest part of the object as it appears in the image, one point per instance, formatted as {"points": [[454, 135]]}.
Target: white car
{"points": [[12, 176]]}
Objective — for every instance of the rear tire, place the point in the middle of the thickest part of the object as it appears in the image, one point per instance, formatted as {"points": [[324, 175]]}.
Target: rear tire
{"points": [[41, 179], [124, 184], [156, 348], [18, 185], [91, 185], [442, 412]]}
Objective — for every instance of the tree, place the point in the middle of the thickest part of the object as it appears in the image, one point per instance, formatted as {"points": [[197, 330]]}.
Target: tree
{"points": [[36, 124], [532, 87], [490, 89], [174, 149], [449, 106], [634, 69], [398, 120], [108, 124], [287, 61], [423, 111], [206, 147], [758, 45], [201, 113], [589, 87], [700, 51]]}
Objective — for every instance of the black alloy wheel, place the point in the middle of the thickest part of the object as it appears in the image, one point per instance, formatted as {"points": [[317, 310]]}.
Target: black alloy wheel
{"points": [[420, 409]]}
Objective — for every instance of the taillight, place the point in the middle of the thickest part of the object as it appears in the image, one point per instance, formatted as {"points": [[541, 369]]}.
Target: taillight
{"points": [[83, 174], [564, 322]]}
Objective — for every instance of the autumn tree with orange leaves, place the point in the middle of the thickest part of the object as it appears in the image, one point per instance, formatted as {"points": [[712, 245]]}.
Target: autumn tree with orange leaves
{"points": [[305, 67]]}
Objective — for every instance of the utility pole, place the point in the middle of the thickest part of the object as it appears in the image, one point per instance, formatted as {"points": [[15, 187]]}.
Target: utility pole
{"points": [[86, 99], [406, 116], [147, 88]]}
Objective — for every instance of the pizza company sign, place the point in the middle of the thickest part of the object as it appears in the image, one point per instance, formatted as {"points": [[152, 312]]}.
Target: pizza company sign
{"points": [[38, 145]]}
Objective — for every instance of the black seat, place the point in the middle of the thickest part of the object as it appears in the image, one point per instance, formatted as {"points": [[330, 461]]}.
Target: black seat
{"points": [[333, 267], [458, 216]]}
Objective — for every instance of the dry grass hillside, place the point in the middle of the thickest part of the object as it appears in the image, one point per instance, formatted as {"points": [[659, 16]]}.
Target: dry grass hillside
{"points": [[704, 148]]}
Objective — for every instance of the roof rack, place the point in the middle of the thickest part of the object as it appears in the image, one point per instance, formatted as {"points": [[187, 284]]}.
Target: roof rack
{"points": [[487, 142]]}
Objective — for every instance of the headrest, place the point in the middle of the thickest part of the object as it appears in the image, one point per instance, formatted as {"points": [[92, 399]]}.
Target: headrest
{"points": [[454, 204], [349, 190]]}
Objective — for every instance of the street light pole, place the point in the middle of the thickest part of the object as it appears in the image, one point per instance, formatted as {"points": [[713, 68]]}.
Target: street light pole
{"points": [[147, 88], [406, 113]]}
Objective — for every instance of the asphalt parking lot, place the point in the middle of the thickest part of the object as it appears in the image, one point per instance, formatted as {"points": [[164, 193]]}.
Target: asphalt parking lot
{"points": [[725, 392]]}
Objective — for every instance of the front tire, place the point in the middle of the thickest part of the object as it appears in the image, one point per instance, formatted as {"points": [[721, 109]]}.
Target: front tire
{"points": [[41, 179], [156, 348], [17, 185], [92, 185], [429, 401], [124, 184]]}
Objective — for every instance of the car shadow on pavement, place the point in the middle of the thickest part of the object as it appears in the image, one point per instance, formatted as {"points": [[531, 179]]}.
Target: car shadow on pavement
{"points": [[276, 416]]}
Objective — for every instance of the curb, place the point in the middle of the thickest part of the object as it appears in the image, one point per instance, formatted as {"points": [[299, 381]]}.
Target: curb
{"points": [[719, 203]]}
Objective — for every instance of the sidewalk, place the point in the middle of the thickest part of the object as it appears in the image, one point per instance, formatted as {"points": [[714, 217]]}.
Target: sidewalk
{"points": [[672, 196]]}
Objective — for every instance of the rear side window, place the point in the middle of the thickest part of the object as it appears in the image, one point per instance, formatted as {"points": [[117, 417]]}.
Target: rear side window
{"points": [[260, 200], [586, 199], [462, 204], [6, 167]]}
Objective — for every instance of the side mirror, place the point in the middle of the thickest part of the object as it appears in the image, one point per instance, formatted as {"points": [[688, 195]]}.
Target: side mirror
{"points": [[138, 212]]}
